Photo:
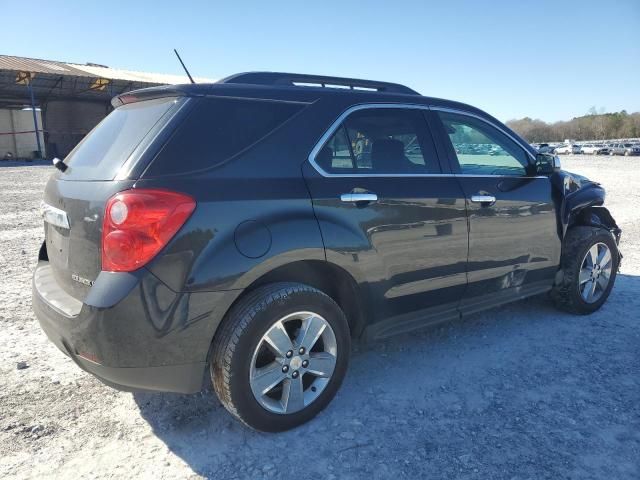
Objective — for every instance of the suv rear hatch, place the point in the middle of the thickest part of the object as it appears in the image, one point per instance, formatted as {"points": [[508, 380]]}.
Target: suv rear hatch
{"points": [[99, 167]]}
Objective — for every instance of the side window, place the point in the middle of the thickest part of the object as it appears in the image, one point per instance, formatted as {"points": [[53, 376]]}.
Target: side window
{"points": [[380, 141], [216, 130], [336, 154], [482, 149]]}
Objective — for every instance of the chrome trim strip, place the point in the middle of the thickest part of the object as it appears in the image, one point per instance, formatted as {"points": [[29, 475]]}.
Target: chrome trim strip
{"points": [[367, 106], [54, 215]]}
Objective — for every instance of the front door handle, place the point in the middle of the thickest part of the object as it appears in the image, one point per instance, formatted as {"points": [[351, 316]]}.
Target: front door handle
{"points": [[483, 199], [359, 197]]}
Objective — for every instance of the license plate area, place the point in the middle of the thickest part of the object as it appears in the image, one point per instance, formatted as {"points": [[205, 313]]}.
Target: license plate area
{"points": [[57, 245]]}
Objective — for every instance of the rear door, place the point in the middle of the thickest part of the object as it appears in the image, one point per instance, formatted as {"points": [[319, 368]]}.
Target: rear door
{"points": [[388, 212], [514, 248]]}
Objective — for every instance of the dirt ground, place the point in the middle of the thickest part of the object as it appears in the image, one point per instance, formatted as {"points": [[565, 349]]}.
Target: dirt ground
{"points": [[522, 392]]}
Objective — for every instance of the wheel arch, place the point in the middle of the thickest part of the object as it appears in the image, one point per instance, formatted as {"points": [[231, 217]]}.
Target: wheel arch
{"points": [[594, 216], [327, 277]]}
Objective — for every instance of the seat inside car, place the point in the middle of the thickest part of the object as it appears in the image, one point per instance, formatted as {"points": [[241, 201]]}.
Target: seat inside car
{"points": [[387, 156]]}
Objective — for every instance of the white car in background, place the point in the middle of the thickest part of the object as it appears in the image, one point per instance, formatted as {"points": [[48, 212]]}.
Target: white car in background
{"points": [[595, 149], [568, 150]]}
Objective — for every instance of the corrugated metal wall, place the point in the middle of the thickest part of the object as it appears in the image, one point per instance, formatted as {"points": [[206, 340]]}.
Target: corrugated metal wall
{"points": [[67, 122], [61, 125], [17, 135]]}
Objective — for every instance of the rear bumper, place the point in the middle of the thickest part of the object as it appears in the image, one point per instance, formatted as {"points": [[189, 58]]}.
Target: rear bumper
{"points": [[149, 339]]}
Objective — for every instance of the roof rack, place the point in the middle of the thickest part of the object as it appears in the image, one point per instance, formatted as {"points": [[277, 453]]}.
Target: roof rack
{"points": [[304, 80]]}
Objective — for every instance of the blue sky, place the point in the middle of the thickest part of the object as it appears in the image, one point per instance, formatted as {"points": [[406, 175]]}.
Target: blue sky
{"points": [[548, 59]]}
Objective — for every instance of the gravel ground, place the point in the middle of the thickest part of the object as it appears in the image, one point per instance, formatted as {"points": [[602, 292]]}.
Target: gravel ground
{"points": [[522, 392]]}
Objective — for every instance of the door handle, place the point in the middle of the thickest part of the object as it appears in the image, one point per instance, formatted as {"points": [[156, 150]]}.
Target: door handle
{"points": [[359, 197], [483, 199]]}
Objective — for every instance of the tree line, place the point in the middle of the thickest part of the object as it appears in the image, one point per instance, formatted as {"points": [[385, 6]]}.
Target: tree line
{"points": [[593, 126]]}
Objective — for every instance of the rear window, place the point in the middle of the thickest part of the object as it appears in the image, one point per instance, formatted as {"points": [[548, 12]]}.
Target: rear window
{"points": [[218, 129], [107, 147]]}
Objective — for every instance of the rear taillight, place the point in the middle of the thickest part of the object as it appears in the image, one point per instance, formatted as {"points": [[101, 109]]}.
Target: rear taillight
{"points": [[138, 224]]}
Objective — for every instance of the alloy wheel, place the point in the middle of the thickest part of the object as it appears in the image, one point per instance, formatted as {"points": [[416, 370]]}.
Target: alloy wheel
{"points": [[595, 272], [293, 362]]}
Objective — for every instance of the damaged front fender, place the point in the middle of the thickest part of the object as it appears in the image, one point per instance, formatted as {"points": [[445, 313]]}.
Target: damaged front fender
{"points": [[579, 201]]}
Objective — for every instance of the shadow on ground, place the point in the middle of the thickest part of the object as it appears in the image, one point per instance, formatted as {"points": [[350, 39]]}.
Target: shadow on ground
{"points": [[524, 391]]}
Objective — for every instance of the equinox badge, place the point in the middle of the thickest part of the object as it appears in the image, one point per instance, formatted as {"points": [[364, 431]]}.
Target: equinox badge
{"points": [[82, 280]]}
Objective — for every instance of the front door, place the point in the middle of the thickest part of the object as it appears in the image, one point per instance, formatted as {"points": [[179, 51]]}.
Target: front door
{"points": [[514, 247], [387, 213]]}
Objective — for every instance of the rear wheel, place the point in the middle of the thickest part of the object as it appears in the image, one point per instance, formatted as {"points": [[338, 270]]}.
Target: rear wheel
{"points": [[589, 265], [280, 356]]}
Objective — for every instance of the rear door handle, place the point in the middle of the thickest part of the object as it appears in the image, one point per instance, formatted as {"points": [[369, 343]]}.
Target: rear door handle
{"points": [[483, 199], [359, 197]]}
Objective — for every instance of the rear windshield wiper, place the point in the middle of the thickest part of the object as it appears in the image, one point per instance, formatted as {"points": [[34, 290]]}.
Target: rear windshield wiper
{"points": [[59, 164]]}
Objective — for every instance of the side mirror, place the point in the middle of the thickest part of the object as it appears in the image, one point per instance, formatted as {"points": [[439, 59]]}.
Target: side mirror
{"points": [[547, 163]]}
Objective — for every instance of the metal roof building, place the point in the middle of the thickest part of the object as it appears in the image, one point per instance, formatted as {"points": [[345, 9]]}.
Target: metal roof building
{"points": [[70, 99]]}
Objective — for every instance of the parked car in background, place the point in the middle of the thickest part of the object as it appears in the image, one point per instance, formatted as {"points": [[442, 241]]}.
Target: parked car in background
{"points": [[568, 150], [626, 149], [595, 149]]}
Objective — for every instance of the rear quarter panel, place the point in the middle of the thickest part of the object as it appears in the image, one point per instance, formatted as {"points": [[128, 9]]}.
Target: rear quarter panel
{"points": [[206, 254], [253, 214]]}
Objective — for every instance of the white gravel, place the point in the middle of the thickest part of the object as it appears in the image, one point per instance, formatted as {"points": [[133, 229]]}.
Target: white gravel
{"points": [[520, 392]]}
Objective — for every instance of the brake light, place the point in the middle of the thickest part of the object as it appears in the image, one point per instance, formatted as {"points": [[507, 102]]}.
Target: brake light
{"points": [[138, 223]]}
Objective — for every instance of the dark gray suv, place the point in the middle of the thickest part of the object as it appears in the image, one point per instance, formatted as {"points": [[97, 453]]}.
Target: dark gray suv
{"points": [[254, 227]]}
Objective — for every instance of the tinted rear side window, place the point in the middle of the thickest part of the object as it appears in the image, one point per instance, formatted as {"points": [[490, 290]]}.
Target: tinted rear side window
{"points": [[218, 129], [107, 147]]}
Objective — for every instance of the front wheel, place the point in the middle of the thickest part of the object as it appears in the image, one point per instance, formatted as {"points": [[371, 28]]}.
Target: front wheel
{"points": [[589, 264], [280, 356]]}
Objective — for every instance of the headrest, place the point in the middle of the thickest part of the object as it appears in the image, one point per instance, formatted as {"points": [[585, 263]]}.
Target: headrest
{"points": [[387, 155]]}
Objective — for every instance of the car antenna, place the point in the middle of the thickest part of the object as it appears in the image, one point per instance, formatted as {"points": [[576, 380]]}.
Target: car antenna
{"points": [[183, 66]]}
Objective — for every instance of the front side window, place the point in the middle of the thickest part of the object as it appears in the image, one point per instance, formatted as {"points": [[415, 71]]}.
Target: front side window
{"points": [[482, 149], [379, 141]]}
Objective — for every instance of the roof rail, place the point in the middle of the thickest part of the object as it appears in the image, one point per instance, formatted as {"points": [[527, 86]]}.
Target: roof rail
{"points": [[304, 80]]}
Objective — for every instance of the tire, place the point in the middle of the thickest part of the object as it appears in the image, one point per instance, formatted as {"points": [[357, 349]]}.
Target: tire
{"points": [[568, 293], [240, 345]]}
